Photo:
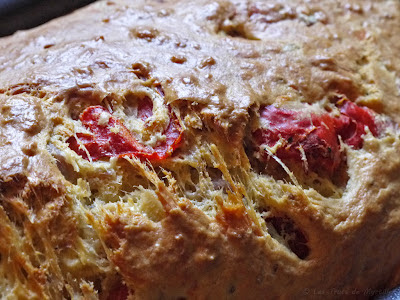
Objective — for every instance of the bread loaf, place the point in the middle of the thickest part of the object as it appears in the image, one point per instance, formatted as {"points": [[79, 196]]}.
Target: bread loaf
{"points": [[202, 150]]}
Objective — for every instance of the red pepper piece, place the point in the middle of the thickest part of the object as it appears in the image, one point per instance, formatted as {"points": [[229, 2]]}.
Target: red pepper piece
{"points": [[173, 132], [90, 143], [103, 142], [111, 138], [145, 109], [315, 135], [173, 135], [352, 130]]}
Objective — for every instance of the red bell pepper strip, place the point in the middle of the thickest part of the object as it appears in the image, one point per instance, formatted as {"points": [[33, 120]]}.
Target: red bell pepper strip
{"points": [[315, 135], [359, 117], [110, 138]]}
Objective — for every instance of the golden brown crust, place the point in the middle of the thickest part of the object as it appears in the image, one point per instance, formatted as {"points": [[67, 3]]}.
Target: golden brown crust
{"points": [[212, 220]]}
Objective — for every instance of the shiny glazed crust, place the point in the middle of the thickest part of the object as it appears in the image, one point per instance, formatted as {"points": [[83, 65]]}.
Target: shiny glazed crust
{"points": [[214, 219]]}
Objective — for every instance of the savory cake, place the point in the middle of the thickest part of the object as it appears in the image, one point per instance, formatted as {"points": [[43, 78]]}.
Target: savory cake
{"points": [[202, 150]]}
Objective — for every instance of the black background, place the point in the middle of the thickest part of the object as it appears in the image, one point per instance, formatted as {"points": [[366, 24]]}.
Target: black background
{"points": [[23, 14]]}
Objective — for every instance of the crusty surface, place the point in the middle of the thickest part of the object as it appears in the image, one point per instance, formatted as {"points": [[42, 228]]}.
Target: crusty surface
{"points": [[200, 223]]}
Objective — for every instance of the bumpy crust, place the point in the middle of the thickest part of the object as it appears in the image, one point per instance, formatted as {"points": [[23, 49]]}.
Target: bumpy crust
{"points": [[214, 220]]}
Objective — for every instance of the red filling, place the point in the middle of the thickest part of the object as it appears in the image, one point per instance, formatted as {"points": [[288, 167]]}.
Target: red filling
{"points": [[113, 139], [359, 117], [145, 109], [315, 136]]}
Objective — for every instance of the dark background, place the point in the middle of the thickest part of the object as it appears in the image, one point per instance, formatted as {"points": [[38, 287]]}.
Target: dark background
{"points": [[23, 14]]}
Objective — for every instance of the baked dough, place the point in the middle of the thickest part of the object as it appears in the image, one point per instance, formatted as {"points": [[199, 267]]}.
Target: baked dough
{"points": [[215, 211]]}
